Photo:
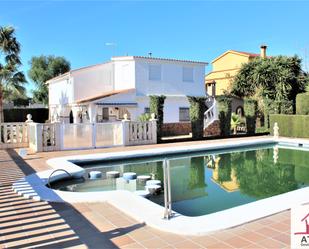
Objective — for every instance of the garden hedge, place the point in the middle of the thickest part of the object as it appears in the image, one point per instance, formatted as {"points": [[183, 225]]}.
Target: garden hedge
{"points": [[156, 106], [197, 110], [39, 115], [250, 109], [302, 104], [290, 125], [276, 107], [225, 112]]}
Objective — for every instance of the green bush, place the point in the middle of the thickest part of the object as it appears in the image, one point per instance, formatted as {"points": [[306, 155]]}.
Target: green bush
{"points": [[39, 115], [197, 110], [290, 125], [302, 104], [225, 112], [144, 117], [250, 109], [261, 130], [286, 107], [156, 106]]}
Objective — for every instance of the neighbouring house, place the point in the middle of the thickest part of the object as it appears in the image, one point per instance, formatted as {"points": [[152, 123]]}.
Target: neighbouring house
{"points": [[224, 68], [107, 91]]}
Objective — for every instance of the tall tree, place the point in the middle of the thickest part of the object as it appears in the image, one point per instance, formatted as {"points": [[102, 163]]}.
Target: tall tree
{"points": [[43, 68], [278, 79], [11, 80]]}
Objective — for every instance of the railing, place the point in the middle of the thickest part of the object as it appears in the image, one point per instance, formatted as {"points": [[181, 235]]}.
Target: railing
{"points": [[49, 137], [13, 135], [211, 114], [140, 132], [57, 136]]}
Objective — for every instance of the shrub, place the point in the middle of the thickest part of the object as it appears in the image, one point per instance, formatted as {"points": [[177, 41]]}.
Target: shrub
{"points": [[224, 111], [276, 107], [39, 115], [156, 106], [144, 117], [286, 107], [250, 108], [235, 122], [197, 110], [302, 104], [290, 126]]}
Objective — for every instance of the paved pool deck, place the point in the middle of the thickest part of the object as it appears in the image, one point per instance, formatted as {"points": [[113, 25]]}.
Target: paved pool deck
{"points": [[31, 224]]}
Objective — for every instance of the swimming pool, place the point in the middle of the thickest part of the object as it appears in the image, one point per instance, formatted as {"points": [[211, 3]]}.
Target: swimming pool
{"points": [[206, 182]]}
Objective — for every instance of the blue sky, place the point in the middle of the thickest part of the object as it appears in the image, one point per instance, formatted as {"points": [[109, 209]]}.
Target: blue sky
{"points": [[197, 30]]}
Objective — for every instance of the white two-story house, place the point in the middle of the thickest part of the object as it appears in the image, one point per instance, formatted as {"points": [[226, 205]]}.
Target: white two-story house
{"points": [[105, 92]]}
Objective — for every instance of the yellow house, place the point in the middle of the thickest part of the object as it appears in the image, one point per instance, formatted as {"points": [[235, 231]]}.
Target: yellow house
{"points": [[225, 67]]}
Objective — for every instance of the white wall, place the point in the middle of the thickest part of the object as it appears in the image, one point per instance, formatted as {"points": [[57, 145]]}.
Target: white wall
{"points": [[124, 74], [128, 97], [93, 81], [171, 82], [61, 92], [171, 107]]}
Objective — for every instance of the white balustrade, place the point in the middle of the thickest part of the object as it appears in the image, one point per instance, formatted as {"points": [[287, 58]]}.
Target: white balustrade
{"points": [[211, 114], [137, 133], [13, 135], [60, 136]]}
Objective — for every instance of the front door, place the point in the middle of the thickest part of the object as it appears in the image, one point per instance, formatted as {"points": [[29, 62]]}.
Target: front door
{"points": [[105, 113]]}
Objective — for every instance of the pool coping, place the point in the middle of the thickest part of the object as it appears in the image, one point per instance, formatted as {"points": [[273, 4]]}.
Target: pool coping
{"points": [[143, 210]]}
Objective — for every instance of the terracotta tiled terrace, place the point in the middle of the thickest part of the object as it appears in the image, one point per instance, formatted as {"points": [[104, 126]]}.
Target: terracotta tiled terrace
{"points": [[31, 224]]}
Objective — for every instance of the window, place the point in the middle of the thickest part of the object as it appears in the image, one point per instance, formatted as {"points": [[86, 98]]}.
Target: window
{"points": [[154, 72], [147, 110], [187, 74], [184, 114]]}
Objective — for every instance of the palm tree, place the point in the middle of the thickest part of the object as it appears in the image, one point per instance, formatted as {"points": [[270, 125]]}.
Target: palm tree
{"points": [[235, 122], [11, 80]]}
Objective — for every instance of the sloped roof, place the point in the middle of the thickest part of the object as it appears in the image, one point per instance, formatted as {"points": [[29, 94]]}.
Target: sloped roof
{"points": [[162, 59], [247, 54], [104, 95]]}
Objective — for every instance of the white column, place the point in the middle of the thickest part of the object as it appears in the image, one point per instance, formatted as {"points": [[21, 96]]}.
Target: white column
{"points": [[35, 137], [76, 111], [153, 122], [125, 131], [92, 111]]}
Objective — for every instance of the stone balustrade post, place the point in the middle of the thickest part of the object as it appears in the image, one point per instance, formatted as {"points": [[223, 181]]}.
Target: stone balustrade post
{"points": [[153, 121], [125, 130]]}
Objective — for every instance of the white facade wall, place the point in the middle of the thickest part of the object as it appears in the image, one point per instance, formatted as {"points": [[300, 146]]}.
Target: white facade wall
{"points": [[93, 81], [171, 107], [124, 74], [61, 92], [171, 82]]}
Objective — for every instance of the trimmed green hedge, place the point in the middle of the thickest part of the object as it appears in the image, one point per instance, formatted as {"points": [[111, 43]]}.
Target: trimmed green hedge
{"points": [[302, 104], [156, 106], [250, 109], [290, 125], [39, 115], [197, 110], [276, 107], [225, 113]]}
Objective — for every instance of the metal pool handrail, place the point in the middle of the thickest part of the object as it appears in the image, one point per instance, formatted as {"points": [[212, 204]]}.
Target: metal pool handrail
{"points": [[48, 183], [167, 190]]}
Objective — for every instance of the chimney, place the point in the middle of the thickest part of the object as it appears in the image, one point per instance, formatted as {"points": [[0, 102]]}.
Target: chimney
{"points": [[263, 51]]}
